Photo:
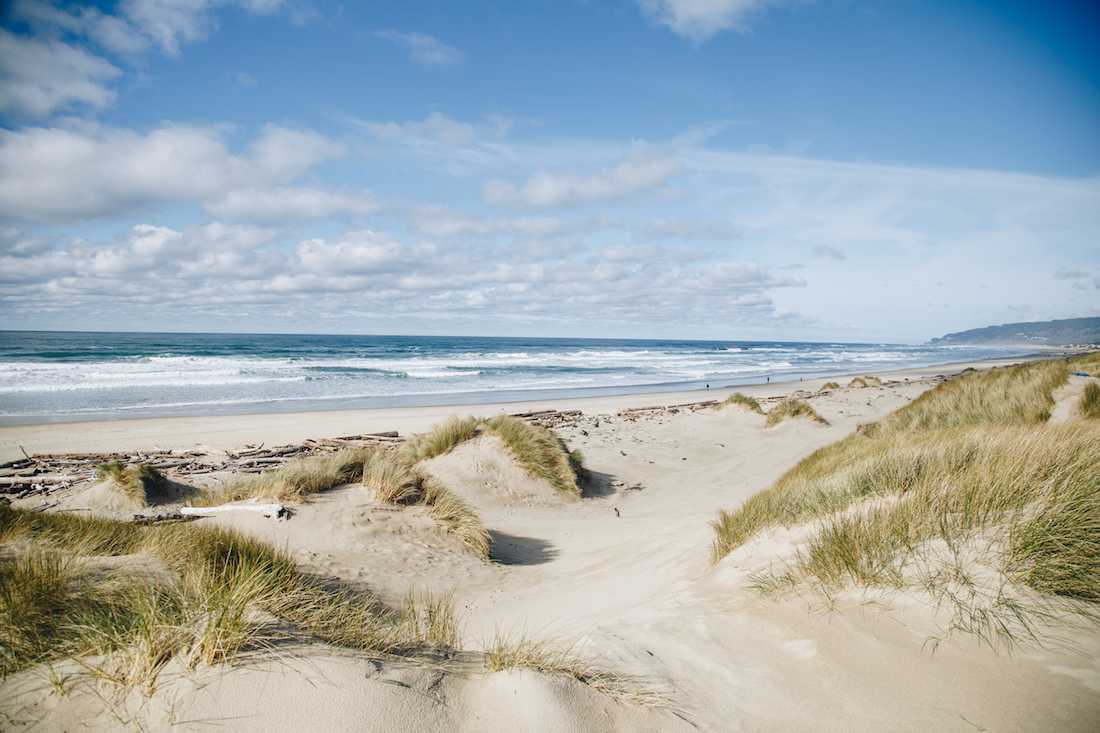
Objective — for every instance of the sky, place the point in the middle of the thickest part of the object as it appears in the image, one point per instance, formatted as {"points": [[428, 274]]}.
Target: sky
{"points": [[728, 169]]}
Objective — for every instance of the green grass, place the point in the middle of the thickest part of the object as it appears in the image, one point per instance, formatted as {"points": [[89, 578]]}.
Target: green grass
{"points": [[792, 407], [968, 477], [51, 608], [141, 482], [741, 400], [295, 480], [540, 452], [1089, 406]]}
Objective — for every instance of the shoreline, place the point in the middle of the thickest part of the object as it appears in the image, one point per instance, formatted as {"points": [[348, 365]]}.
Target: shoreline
{"points": [[218, 432]]}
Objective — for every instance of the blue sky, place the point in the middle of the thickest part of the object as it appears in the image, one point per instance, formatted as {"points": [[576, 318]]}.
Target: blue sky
{"points": [[669, 168]]}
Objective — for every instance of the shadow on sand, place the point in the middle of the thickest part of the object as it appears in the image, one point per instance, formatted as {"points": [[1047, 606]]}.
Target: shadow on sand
{"points": [[510, 549]]}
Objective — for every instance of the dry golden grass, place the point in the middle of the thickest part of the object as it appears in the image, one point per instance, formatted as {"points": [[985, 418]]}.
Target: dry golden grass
{"points": [[969, 476], [829, 385], [540, 452], [791, 407], [141, 482], [394, 479], [865, 381], [1089, 406], [741, 400], [294, 481], [50, 608]]}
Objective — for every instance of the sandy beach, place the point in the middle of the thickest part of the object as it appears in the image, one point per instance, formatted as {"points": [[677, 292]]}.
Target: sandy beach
{"points": [[622, 576], [221, 432]]}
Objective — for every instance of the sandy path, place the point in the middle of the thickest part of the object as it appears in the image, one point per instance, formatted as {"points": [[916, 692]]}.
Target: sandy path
{"points": [[1067, 396]]}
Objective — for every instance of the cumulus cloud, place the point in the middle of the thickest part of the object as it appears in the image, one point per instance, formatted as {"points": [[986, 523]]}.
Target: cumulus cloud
{"points": [[289, 203], [38, 78], [423, 49], [86, 171], [563, 189], [699, 20], [355, 253], [184, 270]]}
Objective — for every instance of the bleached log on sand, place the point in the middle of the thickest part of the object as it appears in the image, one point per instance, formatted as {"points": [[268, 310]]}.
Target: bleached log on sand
{"points": [[268, 510]]}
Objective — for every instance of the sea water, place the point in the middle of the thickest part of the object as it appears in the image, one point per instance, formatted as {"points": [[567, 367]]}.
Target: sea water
{"points": [[50, 376]]}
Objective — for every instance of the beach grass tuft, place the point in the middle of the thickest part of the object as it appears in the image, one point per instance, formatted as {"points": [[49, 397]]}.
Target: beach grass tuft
{"points": [[294, 481], [829, 386], [968, 477], [141, 482], [441, 439], [203, 612], [865, 381], [540, 452], [547, 657], [395, 479], [741, 400], [792, 407], [1089, 406]]}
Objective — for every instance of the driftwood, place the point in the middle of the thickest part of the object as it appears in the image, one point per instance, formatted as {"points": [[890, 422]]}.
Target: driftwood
{"points": [[268, 510], [49, 472]]}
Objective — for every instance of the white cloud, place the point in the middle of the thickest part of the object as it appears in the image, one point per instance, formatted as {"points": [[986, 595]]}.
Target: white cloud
{"points": [[366, 269], [53, 173], [423, 49], [38, 78], [699, 20], [563, 189], [355, 253], [290, 203]]}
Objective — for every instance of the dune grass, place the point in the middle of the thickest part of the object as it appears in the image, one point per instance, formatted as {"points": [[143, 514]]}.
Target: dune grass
{"points": [[141, 482], [521, 652], [203, 614], [865, 381], [540, 452], [829, 385], [1089, 406], [741, 400], [792, 407], [441, 439], [967, 478], [1019, 395], [295, 480], [395, 479]]}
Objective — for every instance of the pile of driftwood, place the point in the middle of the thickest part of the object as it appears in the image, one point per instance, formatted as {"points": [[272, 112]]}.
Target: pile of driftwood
{"points": [[551, 418], [633, 413], [46, 473]]}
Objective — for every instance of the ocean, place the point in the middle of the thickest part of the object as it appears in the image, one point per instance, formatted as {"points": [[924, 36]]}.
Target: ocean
{"points": [[55, 376]]}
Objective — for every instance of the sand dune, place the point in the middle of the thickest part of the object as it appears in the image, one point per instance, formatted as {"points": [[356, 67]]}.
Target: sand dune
{"points": [[622, 576]]}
